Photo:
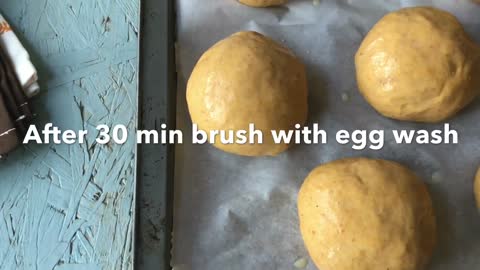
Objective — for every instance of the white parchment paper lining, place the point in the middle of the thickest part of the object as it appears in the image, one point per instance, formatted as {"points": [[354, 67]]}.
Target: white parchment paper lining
{"points": [[237, 213]]}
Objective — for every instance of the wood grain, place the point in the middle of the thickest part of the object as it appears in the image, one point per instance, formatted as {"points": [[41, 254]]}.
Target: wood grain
{"points": [[72, 207]]}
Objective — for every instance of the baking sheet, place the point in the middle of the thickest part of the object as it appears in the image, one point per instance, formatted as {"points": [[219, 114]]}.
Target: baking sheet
{"points": [[240, 213]]}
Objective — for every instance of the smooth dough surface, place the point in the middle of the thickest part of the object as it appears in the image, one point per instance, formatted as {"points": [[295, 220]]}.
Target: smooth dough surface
{"points": [[366, 214], [263, 3], [248, 78], [418, 64], [477, 188]]}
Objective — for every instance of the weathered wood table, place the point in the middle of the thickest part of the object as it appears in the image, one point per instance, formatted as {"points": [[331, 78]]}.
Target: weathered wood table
{"points": [[72, 206]]}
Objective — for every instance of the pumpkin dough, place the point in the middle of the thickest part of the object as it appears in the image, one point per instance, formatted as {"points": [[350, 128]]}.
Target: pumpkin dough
{"points": [[366, 214], [248, 78], [262, 3], [477, 188], [418, 64]]}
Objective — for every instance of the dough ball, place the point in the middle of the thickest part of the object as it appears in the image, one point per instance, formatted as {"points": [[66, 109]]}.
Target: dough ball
{"points": [[477, 188], [366, 214], [263, 3], [418, 64], [248, 78]]}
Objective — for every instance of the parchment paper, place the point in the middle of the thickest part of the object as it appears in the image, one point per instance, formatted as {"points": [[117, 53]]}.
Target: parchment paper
{"points": [[240, 213]]}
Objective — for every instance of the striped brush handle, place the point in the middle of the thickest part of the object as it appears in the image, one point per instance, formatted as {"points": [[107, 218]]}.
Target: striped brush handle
{"points": [[15, 113]]}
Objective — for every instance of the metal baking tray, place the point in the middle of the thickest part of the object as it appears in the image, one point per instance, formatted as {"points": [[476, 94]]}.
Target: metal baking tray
{"points": [[155, 164]]}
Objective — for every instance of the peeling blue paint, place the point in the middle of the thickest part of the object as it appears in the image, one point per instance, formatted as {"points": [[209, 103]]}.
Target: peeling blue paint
{"points": [[72, 207]]}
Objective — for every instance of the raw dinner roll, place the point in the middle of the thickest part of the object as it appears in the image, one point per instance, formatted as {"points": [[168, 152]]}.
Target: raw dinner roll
{"points": [[262, 3], [477, 188], [366, 214], [248, 78], [418, 64]]}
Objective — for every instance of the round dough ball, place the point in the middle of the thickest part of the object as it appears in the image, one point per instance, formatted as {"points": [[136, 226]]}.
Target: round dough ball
{"points": [[263, 3], [248, 78], [418, 64], [366, 214], [477, 188]]}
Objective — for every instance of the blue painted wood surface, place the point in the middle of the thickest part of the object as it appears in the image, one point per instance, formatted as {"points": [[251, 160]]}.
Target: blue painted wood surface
{"points": [[72, 207]]}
